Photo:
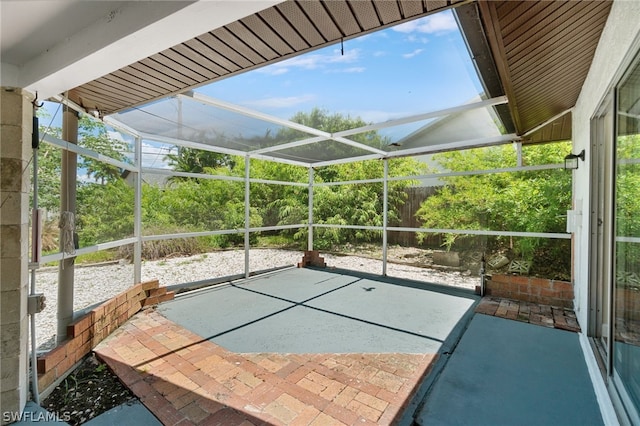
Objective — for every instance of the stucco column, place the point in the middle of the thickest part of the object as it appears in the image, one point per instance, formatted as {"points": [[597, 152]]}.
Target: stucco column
{"points": [[15, 151]]}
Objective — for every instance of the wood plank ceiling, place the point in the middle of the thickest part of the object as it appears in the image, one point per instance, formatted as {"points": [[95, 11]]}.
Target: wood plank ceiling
{"points": [[276, 33], [542, 52]]}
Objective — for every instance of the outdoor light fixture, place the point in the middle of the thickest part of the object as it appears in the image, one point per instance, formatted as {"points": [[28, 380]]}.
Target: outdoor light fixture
{"points": [[571, 160]]}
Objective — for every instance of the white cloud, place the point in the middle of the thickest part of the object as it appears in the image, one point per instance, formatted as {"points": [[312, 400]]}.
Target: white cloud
{"points": [[84, 178], [433, 24], [412, 54], [276, 71], [154, 155], [308, 62], [415, 39], [115, 135], [348, 70], [280, 102], [312, 61], [375, 116], [349, 56]]}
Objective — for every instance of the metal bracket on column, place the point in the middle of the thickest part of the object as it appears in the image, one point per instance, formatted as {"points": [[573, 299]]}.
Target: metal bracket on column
{"points": [[35, 303]]}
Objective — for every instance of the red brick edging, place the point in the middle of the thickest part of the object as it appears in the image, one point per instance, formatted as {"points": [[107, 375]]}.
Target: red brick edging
{"points": [[85, 333], [530, 289]]}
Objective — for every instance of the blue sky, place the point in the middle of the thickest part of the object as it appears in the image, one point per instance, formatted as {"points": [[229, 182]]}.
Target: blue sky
{"points": [[416, 67]]}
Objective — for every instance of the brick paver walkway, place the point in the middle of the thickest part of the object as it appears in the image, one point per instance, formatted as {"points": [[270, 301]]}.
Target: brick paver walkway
{"points": [[184, 379], [533, 313]]}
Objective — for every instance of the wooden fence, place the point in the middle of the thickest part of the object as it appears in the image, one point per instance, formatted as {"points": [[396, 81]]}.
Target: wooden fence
{"points": [[408, 219]]}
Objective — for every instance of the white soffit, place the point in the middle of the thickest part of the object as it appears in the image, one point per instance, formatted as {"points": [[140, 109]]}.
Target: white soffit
{"points": [[128, 32]]}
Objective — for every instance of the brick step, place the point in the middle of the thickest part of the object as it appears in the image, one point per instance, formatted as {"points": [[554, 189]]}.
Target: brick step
{"points": [[312, 258], [157, 291], [154, 300]]}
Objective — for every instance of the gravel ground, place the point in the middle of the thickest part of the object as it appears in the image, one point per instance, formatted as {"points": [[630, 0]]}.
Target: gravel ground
{"points": [[94, 284]]}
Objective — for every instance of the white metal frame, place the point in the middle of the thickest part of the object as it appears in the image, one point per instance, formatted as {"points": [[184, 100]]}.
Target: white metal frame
{"points": [[264, 154], [340, 137]]}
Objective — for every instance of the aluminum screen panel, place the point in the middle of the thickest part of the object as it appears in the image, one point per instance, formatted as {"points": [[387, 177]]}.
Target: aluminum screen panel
{"points": [[185, 119], [327, 150]]}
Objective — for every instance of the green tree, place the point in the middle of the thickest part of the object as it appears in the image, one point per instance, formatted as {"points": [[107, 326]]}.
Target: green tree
{"points": [[274, 204], [49, 167], [198, 205], [104, 212], [191, 160], [331, 123], [353, 204], [627, 205], [531, 201], [93, 135], [104, 205], [279, 204]]}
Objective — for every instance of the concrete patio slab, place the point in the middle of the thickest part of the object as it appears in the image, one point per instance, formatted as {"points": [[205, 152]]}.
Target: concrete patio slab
{"points": [[506, 372], [416, 310], [327, 347], [316, 311], [298, 346], [287, 284], [305, 330], [212, 311]]}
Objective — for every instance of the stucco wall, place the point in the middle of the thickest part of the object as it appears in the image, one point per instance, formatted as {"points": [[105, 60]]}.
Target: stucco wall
{"points": [[15, 150], [619, 42]]}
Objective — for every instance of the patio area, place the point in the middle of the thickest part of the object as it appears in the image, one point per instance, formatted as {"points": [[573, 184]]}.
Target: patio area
{"points": [[306, 346], [183, 379], [299, 346]]}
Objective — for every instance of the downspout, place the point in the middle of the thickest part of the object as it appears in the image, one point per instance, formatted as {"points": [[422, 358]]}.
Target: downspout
{"points": [[67, 213]]}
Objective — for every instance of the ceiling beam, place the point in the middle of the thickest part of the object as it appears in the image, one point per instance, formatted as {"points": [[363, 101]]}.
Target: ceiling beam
{"points": [[456, 146], [499, 100], [546, 122]]}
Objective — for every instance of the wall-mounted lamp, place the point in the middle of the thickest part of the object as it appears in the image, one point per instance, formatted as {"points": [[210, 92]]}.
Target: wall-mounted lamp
{"points": [[571, 160]]}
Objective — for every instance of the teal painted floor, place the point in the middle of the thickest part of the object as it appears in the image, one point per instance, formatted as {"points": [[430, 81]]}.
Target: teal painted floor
{"points": [[323, 311], [492, 371], [505, 372]]}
